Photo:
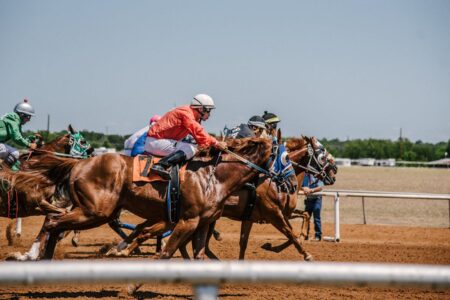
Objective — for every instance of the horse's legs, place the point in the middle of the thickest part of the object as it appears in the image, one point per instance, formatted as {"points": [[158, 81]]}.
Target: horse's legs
{"points": [[143, 232], [282, 224], [199, 241], [303, 234], [36, 249], [211, 232], [182, 231], [76, 238], [51, 244], [183, 249], [180, 234], [246, 227]]}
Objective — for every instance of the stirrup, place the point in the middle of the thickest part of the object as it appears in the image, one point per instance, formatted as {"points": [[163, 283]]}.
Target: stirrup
{"points": [[161, 172]]}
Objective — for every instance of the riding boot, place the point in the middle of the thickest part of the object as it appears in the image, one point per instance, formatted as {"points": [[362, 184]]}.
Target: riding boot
{"points": [[12, 162], [162, 167]]}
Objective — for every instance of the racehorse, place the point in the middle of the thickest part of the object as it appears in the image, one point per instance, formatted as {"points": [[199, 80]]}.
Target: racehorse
{"points": [[276, 209], [271, 205], [27, 204], [99, 187]]}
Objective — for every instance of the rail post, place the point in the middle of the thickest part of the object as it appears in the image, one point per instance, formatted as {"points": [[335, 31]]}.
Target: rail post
{"points": [[18, 227], [364, 210], [205, 292], [337, 234]]}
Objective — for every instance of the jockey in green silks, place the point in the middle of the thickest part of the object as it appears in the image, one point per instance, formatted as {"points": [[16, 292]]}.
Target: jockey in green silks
{"points": [[11, 129]]}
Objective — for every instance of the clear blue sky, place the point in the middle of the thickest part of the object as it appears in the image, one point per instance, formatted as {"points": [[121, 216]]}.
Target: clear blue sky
{"points": [[334, 69]]}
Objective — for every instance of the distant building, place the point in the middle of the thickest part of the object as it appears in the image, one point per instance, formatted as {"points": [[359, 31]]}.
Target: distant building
{"points": [[390, 162], [344, 162], [441, 163], [364, 162]]}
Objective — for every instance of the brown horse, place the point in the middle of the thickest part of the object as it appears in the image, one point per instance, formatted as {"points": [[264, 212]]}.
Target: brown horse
{"points": [[36, 201], [271, 206], [26, 202], [100, 187]]}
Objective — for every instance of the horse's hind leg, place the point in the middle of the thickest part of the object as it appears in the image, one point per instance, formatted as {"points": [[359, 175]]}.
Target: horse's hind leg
{"points": [[303, 234], [211, 232], [182, 231], [246, 227], [36, 249], [282, 224]]}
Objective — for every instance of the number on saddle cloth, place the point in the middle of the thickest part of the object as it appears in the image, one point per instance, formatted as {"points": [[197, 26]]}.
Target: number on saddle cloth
{"points": [[148, 163]]}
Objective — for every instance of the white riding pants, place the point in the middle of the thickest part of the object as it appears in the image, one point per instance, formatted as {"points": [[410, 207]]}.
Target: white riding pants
{"points": [[164, 147]]}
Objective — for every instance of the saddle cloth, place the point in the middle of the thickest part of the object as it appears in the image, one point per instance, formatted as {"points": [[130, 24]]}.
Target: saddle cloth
{"points": [[141, 169]]}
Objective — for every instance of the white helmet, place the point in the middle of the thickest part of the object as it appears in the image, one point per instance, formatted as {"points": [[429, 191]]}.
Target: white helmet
{"points": [[24, 108], [202, 100]]}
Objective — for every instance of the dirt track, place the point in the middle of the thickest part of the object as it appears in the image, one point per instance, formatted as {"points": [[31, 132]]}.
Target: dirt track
{"points": [[419, 243]]}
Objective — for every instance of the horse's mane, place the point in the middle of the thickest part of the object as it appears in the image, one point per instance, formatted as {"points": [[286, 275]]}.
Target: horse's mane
{"points": [[244, 146], [296, 143]]}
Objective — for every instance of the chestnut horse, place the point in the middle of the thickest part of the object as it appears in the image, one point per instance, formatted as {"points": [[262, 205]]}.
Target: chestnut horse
{"points": [[271, 206], [28, 203], [100, 187], [275, 209]]}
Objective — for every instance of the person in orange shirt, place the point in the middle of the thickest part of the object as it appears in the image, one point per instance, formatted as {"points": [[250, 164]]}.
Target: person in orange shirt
{"points": [[165, 138]]}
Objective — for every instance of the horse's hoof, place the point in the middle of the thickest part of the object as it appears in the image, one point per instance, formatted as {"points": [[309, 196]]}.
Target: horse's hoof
{"points": [[105, 248], [132, 288], [137, 251], [17, 256], [267, 246], [111, 252], [75, 242], [309, 257]]}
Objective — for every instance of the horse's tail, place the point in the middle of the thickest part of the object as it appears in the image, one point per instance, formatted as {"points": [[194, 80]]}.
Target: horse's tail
{"points": [[54, 168], [48, 171]]}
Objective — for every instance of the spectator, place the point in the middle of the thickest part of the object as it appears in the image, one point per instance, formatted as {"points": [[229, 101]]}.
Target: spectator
{"points": [[313, 202]]}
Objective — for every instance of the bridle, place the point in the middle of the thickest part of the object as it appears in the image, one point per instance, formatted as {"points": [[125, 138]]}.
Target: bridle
{"points": [[317, 165]]}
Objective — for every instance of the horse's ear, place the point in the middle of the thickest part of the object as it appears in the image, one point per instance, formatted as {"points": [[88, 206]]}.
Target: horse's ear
{"points": [[279, 136], [70, 129]]}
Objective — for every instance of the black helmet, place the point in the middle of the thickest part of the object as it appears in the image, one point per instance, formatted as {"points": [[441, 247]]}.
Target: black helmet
{"points": [[270, 118], [257, 121]]}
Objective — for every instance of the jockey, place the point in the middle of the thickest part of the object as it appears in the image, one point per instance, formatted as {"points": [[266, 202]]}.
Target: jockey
{"points": [[271, 122], [165, 137], [134, 145], [255, 127], [11, 129]]}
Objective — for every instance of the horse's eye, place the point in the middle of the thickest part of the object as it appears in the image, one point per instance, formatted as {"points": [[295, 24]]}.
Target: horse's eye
{"points": [[322, 158], [285, 158]]}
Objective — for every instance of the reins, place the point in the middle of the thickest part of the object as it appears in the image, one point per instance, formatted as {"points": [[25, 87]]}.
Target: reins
{"points": [[249, 163], [309, 167], [61, 154]]}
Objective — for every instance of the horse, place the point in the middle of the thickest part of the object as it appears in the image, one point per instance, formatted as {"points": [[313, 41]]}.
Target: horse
{"points": [[25, 206], [99, 187], [71, 144], [271, 206]]}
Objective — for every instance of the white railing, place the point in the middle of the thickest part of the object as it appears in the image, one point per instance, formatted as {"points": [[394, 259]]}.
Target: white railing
{"points": [[372, 194], [206, 276]]}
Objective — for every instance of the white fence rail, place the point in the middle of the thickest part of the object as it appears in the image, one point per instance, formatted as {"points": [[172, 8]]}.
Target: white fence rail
{"points": [[372, 194], [206, 276]]}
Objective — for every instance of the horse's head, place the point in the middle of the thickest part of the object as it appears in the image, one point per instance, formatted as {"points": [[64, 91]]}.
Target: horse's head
{"points": [[310, 156], [77, 144], [272, 159]]}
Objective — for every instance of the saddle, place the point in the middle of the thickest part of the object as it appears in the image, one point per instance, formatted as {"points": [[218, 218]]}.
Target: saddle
{"points": [[141, 173]]}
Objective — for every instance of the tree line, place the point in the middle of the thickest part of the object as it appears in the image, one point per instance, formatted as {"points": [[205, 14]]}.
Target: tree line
{"points": [[402, 149]]}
